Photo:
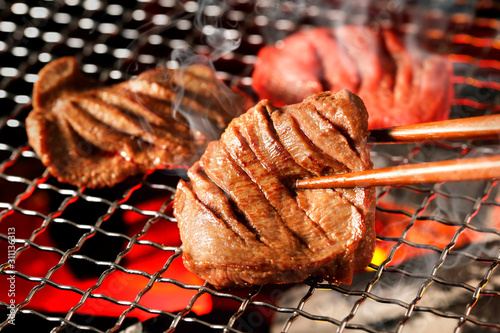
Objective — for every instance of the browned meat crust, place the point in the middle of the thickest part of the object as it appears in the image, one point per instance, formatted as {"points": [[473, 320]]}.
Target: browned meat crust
{"points": [[95, 136], [241, 219]]}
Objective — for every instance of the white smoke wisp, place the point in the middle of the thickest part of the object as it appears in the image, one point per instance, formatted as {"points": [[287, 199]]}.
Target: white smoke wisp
{"points": [[218, 42], [193, 33]]}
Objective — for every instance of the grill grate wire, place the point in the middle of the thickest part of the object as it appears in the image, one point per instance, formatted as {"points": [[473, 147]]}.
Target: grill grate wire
{"points": [[116, 40]]}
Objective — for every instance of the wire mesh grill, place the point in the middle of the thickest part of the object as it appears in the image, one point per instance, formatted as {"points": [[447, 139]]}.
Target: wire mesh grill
{"points": [[75, 259]]}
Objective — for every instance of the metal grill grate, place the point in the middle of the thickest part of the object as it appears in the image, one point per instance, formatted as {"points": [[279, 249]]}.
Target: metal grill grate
{"points": [[109, 260]]}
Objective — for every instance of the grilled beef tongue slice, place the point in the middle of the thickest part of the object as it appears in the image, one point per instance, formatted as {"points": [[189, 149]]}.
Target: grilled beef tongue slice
{"points": [[243, 222], [93, 135]]}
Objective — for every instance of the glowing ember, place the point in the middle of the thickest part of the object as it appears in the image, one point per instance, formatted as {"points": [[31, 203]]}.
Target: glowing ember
{"points": [[121, 285]]}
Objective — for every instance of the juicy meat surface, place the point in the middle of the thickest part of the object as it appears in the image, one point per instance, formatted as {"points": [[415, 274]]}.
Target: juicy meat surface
{"points": [[242, 221], [399, 82], [92, 135]]}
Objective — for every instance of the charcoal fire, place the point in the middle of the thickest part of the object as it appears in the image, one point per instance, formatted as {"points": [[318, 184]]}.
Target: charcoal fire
{"points": [[435, 264], [386, 304]]}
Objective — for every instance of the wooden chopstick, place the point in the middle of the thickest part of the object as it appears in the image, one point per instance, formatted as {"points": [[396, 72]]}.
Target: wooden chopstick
{"points": [[479, 168], [455, 129]]}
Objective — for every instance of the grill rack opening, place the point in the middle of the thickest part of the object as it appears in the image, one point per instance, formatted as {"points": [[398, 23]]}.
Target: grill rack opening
{"points": [[110, 259]]}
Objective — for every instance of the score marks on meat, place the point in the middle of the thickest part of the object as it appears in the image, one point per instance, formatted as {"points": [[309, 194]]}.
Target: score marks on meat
{"points": [[241, 219], [92, 135]]}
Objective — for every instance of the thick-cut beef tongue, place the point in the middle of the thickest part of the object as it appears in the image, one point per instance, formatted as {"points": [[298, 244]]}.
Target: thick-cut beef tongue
{"points": [[398, 81], [162, 117], [241, 219], [283, 74]]}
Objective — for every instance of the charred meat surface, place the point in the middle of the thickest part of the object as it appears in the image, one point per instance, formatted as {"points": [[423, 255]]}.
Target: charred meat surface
{"points": [[399, 82], [92, 135], [241, 219]]}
